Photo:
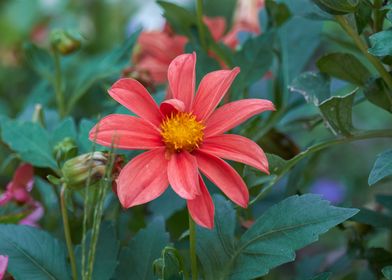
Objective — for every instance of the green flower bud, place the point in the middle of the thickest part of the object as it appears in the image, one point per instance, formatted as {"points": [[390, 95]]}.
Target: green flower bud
{"points": [[76, 171], [65, 42], [65, 149]]}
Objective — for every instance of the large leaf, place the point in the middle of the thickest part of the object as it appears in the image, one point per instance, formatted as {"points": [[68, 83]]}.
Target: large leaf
{"points": [[254, 59], [337, 112], [136, 260], [381, 43], [64, 129], [33, 254], [344, 66], [382, 167], [106, 254], [287, 226], [30, 140], [387, 271]]}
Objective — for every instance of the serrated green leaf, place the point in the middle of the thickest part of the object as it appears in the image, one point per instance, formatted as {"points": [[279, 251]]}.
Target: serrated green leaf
{"points": [[337, 7], [254, 59], [30, 140], [382, 167], [381, 43], [137, 258], [314, 87], [287, 226], [337, 112], [387, 271], [33, 253], [344, 66], [106, 254]]}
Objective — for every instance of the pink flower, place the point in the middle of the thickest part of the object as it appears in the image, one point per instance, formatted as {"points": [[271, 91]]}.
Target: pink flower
{"points": [[156, 50], [184, 138], [18, 190], [20, 187], [3, 265]]}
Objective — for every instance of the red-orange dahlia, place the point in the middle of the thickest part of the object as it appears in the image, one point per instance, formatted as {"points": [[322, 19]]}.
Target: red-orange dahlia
{"points": [[184, 137]]}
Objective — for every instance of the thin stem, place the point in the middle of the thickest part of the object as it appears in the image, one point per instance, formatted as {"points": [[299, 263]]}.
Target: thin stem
{"points": [[200, 23], [67, 232], [364, 49], [387, 133], [58, 85], [192, 248]]}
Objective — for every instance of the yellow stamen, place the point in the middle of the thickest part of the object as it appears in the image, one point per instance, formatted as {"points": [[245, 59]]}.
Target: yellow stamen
{"points": [[181, 131]]}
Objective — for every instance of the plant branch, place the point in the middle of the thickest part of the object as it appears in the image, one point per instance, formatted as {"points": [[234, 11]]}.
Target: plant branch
{"points": [[67, 232], [192, 248], [387, 133], [58, 85], [364, 49], [200, 24]]}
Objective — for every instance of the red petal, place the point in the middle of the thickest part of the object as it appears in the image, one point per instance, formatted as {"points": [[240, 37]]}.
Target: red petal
{"points": [[24, 176], [201, 208], [132, 95], [216, 25], [237, 148], [172, 105], [125, 132], [143, 179], [181, 75], [224, 176], [212, 89], [232, 114], [182, 173]]}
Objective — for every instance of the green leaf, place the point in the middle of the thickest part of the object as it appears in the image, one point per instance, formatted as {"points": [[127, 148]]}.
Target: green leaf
{"points": [[378, 93], [337, 7], [180, 19], [106, 254], [170, 265], [382, 167], [276, 163], [33, 253], [387, 271], [287, 226], [40, 60], [64, 129], [381, 43], [315, 87], [136, 260], [278, 13], [373, 218], [99, 68], [30, 140], [363, 15], [337, 112], [84, 143], [254, 59], [344, 66]]}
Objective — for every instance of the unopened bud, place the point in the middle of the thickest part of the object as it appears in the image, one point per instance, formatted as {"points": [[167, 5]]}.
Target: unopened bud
{"points": [[65, 42], [76, 171], [65, 149]]}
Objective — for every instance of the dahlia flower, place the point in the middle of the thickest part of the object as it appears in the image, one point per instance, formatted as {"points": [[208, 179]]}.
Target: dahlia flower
{"points": [[184, 137]]}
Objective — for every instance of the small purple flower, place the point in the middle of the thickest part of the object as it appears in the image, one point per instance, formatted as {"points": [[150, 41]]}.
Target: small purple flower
{"points": [[331, 190]]}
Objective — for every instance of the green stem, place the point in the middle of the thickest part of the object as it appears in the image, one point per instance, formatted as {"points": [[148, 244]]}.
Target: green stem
{"points": [[378, 16], [387, 133], [67, 232], [192, 248], [364, 49], [200, 23], [58, 85]]}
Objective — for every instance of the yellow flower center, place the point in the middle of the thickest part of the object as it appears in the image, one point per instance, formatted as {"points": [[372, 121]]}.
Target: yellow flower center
{"points": [[182, 131]]}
